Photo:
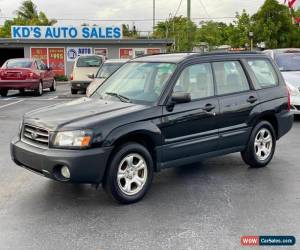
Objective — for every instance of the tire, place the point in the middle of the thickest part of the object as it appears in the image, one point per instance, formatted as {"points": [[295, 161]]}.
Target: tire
{"points": [[74, 91], [53, 87], [3, 92], [22, 91], [133, 184], [261, 146], [39, 90]]}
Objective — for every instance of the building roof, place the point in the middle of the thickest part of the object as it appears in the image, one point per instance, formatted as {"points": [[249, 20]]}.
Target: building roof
{"points": [[8, 41]]}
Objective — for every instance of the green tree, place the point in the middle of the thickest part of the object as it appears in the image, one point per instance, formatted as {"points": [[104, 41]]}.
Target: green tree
{"points": [[27, 14], [273, 25], [127, 32], [182, 30], [213, 33]]}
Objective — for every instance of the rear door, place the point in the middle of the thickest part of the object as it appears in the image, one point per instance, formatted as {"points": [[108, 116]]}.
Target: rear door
{"points": [[238, 102], [45, 73], [191, 129]]}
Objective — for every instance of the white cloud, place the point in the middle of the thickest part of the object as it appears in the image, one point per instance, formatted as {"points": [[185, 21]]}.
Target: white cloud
{"points": [[131, 9]]}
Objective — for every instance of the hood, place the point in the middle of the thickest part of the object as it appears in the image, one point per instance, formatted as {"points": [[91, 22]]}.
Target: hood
{"points": [[81, 73], [79, 113], [292, 77]]}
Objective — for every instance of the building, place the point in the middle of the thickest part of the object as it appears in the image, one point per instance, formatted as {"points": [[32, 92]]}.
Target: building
{"points": [[61, 53]]}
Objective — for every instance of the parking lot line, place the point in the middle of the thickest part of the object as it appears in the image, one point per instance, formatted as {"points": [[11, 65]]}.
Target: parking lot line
{"points": [[10, 104]]}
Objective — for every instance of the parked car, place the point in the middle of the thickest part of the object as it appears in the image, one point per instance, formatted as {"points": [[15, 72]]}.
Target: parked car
{"points": [[105, 71], [157, 112], [83, 67], [26, 74], [288, 61]]}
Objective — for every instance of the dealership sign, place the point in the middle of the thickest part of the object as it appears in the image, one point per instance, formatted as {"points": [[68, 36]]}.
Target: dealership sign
{"points": [[74, 52], [66, 32]]}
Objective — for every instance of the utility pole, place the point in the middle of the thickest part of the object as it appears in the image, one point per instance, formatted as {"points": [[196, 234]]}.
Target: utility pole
{"points": [[153, 15], [189, 9]]}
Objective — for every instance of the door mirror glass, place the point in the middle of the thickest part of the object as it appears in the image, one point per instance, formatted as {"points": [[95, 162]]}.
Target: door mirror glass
{"points": [[181, 97]]}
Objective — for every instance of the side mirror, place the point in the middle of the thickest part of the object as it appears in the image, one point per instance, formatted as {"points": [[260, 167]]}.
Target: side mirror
{"points": [[91, 76], [181, 97]]}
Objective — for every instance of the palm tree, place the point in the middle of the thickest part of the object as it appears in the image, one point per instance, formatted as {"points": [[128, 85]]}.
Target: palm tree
{"points": [[27, 10], [29, 13]]}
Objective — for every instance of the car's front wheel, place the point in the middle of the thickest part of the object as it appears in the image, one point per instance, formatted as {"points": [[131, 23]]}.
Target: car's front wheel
{"points": [[3, 92], [261, 146], [53, 87], [74, 91], [129, 174]]}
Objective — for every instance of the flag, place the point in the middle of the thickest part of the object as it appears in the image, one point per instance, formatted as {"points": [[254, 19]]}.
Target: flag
{"points": [[291, 3]]}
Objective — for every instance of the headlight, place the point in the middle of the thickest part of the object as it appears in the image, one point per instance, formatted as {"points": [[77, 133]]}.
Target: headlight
{"points": [[293, 90], [73, 139]]}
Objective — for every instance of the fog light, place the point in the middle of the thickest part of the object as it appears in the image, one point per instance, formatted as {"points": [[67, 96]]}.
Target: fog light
{"points": [[65, 172]]}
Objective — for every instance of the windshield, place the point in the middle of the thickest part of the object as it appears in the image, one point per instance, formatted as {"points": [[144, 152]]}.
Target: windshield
{"points": [[89, 61], [137, 82], [288, 61], [18, 64], [107, 69]]}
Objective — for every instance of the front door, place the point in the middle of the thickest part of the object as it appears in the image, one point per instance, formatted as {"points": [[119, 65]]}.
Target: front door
{"points": [[190, 129]]}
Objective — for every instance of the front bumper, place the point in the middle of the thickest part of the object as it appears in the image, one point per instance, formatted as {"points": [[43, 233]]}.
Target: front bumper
{"points": [[295, 104], [20, 84], [80, 85], [85, 166]]}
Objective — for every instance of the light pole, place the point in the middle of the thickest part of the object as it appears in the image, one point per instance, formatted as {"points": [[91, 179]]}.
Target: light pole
{"points": [[251, 35], [153, 15]]}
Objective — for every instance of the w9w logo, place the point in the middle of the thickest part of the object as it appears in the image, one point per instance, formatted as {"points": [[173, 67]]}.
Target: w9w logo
{"points": [[250, 241]]}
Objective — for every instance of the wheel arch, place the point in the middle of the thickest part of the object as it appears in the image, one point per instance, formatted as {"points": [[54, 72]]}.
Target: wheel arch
{"points": [[272, 119]]}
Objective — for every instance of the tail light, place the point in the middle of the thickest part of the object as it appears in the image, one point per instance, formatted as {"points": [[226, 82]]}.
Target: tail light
{"points": [[1, 74], [30, 75], [289, 98], [71, 77]]}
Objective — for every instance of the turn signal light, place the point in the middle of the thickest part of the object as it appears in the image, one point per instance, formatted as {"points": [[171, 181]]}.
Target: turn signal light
{"points": [[86, 141]]}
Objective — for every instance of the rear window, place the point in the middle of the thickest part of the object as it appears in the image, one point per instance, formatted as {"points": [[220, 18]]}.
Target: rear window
{"points": [[264, 73], [89, 61], [18, 64], [288, 61]]}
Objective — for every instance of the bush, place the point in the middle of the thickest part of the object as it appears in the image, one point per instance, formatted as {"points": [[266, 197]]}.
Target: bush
{"points": [[61, 78]]}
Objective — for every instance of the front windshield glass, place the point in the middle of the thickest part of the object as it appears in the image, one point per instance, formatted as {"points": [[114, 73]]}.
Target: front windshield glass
{"points": [[288, 61], [107, 69], [137, 82]]}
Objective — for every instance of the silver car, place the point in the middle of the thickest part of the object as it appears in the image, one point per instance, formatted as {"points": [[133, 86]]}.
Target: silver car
{"points": [[288, 61], [105, 71]]}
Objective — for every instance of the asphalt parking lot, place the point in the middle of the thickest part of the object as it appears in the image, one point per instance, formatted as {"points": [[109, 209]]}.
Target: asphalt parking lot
{"points": [[209, 205]]}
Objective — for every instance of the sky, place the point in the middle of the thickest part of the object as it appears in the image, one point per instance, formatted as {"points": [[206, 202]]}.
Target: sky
{"points": [[131, 9]]}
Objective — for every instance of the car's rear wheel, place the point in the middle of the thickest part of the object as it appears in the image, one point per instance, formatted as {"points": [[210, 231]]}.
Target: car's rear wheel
{"points": [[53, 87], [39, 90], [74, 91], [129, 174], [22, 91], [261, 146], [3, 92]]}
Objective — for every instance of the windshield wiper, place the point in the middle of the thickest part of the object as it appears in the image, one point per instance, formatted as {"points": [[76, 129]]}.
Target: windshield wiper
{"points": [[121, 97]]}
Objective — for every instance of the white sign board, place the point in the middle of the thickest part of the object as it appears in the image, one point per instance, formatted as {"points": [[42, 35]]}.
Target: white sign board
{"points": [[74, 52], [66, 32]]}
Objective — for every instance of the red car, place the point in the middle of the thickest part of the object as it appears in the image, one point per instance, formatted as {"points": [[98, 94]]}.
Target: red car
{"points": [[26, 74]]}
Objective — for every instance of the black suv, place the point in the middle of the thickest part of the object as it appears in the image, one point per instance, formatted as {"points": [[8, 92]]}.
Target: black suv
{"points": [[158, 112]]}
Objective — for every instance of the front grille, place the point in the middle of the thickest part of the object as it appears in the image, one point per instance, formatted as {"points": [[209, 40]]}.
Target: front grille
{"points": [[35, 135]]}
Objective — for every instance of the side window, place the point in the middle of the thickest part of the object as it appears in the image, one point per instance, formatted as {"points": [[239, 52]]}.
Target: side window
{"points": [[264, 72], [230, 77], [197, 80]]}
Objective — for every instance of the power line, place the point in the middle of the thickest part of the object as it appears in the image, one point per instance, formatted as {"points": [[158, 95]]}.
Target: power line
{"points": [[178, 8], [204, 8], [128, 20]]}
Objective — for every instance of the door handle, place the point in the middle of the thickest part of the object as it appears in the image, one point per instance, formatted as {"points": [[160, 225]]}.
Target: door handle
{"points": [[252, 99], [209, 107]]}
